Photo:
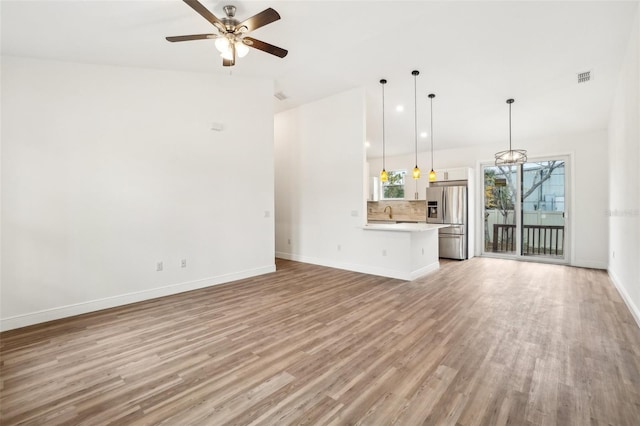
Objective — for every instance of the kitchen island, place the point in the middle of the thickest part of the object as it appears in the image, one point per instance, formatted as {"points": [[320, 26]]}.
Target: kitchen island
{"points": [[415, 248]]}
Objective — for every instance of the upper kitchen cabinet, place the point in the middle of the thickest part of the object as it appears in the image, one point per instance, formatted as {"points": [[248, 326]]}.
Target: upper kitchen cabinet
{"points": [[458, 173], [416, 189]]}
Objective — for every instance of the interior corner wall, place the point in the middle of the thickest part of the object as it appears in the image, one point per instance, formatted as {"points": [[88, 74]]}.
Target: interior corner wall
{"points": [[624, 178], [320, 194], [319, 151], [107, 171]]}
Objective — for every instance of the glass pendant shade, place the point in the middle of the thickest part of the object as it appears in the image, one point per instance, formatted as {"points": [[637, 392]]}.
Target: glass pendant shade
{"points": [[511, 156], [228, 55], [416, 170], [384, 176], [222, 44], [241, 49], [432, 173], [227, 46]]}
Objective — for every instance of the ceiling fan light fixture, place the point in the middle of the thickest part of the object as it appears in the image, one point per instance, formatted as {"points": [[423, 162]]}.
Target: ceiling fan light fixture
{"points": [[241, 49], [228, 55], [230, 41], [222, 44]]}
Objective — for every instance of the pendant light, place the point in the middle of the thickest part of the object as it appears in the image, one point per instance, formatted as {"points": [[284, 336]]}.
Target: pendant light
{"points": [[384, 176], [432, 173], [416, 170], [511, 156]]}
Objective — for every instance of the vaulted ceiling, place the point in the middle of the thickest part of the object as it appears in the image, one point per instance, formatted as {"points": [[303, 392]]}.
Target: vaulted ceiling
{"points": [[472, 55]]}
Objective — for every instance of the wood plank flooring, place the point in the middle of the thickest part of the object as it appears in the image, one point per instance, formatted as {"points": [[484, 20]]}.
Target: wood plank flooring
{"points": [[485, 341]]}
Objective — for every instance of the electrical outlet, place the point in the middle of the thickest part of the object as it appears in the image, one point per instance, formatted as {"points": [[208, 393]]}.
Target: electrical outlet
{"points": [[423, 251], [289, 241], [183, 263], [384, 252], [158, 266], [339, 247], [613, 254], [354, 213]]}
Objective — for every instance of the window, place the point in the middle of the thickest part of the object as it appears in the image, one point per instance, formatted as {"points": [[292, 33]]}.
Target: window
{"points": [[393, 188]]}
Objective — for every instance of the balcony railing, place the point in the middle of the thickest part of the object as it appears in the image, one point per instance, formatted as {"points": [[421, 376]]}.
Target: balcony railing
{"points": [[537, 239]]}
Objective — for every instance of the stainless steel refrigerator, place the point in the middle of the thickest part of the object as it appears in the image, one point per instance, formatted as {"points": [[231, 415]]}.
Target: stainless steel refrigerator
{"points": [[447, 204]]}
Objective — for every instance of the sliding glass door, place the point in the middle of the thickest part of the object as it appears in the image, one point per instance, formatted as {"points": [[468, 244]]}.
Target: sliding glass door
{"points": [[543, 209], [525, 210], [500, 184]]}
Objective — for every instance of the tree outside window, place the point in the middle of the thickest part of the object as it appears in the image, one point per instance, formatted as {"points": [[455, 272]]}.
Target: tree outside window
{"points": [[543, 184], [394, 187]]}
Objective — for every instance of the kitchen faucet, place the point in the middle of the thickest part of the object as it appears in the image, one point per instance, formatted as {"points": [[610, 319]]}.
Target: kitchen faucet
{"points": [[390, 211]]}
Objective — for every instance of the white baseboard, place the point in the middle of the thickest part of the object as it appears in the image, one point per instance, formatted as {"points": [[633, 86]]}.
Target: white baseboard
{"points": [[635, 311], [592, 264], [425, 270], [365, 269], [125, 299]]}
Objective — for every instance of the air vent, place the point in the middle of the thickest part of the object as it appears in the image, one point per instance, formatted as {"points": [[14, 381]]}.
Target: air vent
{"points": [[583, 77], [281, 96]]}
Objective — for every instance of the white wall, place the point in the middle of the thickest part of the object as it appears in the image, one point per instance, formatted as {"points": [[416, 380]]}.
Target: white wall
{"points": [[624, 182], [320, 192], [319, 156], [588, 182], [108, 170]]}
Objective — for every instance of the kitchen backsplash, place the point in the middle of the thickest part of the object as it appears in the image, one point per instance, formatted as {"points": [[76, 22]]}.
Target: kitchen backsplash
{"points": [[402, 210]]}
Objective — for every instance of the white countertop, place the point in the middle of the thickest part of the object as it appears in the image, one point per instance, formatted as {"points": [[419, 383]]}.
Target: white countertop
{"points": [[403, 227]]}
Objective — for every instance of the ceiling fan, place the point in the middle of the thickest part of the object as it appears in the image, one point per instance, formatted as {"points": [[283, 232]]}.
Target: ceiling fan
{"points": [[231, 39]]}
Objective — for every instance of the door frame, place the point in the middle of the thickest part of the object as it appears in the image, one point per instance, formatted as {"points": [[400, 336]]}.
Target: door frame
{"points": [[568, 212]]}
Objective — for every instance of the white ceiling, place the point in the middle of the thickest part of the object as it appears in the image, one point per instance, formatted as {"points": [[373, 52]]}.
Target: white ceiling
{"points": [[472, 55]]}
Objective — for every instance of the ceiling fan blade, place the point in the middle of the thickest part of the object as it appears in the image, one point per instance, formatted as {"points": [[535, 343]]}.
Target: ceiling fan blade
{"points": [[204, 12], [190, 37], [265, 47], [263, 18]]}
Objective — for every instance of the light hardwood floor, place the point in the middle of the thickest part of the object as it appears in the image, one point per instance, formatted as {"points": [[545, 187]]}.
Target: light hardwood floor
{"points": [[485, 341]]}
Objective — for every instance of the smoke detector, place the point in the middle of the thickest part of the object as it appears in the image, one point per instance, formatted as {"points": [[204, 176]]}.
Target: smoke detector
{"points": [[583, 77]]}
